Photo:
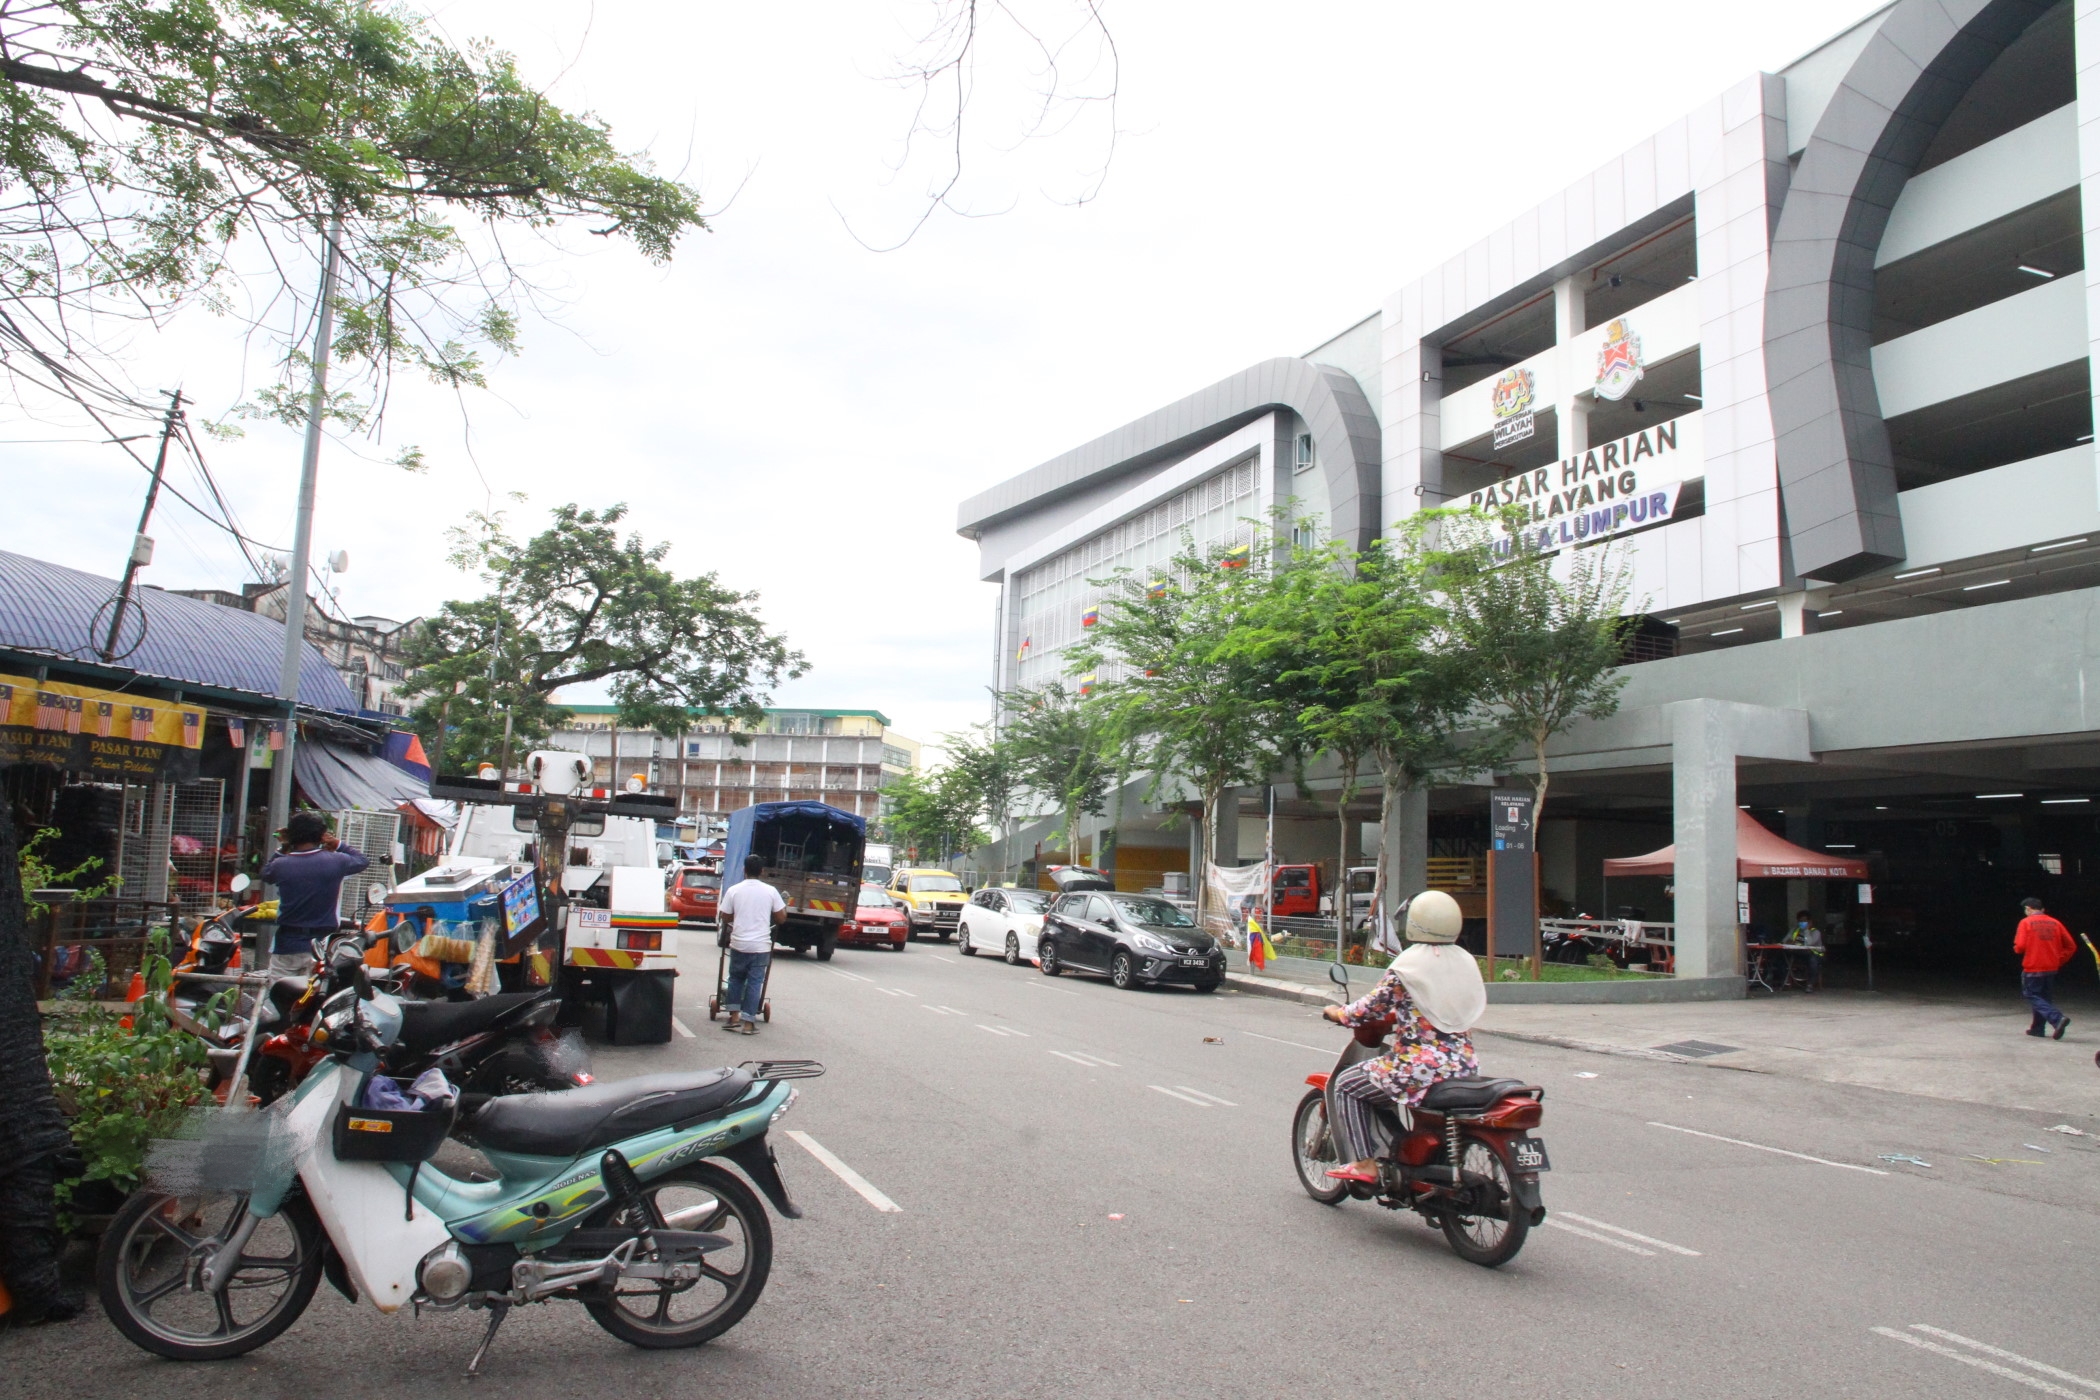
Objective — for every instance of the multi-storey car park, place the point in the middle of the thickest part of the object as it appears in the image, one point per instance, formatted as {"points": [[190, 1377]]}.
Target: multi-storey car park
{"points": [[1816, 356]]}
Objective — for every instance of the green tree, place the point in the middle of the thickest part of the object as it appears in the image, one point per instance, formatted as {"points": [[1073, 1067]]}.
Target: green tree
{"points": [[158, 154], [935, 812], [1059, 747], [1542, 634], [577, 604], [1183, 693], [983, 767]]}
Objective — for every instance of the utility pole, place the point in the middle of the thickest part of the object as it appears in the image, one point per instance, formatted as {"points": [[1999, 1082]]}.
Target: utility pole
{"points": [[141, 544], [303, 533]]}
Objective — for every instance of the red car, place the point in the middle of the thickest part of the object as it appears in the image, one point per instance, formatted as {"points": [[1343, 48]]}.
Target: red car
{"points": [[693, 892], [878, 921]]}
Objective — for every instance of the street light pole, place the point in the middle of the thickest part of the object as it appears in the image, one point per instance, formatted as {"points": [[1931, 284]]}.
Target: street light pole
{"points": [[303, 533]]}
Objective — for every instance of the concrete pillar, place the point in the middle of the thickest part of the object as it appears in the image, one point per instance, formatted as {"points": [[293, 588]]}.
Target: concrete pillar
{"points": [[1702, 761], [1570, 413], [1411, 864]]}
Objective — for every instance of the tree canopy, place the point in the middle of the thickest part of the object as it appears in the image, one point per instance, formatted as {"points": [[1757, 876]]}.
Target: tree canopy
{"points": [[577, 605]]}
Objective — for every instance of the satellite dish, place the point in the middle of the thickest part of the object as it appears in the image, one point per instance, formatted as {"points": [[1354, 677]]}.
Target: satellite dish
{"points": [[339, 562]]}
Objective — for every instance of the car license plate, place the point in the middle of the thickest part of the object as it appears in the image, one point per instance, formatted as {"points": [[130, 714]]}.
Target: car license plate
{"points": [[1195, 962], [1529, 1155]]}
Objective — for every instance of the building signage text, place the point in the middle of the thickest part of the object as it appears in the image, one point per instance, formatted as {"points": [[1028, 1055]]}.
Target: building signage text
{"points": [[1623, 485]]}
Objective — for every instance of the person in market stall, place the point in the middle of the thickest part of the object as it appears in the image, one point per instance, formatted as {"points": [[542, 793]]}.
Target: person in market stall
{"points": [[308, 871]]}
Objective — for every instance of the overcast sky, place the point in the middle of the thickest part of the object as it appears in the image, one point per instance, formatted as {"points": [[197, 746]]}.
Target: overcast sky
{"points": [[801, 415]]}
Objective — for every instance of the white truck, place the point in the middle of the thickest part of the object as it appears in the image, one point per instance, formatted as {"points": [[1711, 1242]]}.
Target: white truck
{"points": [[617, 941]]}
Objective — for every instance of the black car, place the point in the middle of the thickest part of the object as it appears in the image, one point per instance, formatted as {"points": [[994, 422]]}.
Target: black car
{"points": [[1136, 939]]}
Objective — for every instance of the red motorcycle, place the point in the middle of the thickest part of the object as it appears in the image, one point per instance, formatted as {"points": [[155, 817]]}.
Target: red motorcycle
{"points": [[1467, 1162]]}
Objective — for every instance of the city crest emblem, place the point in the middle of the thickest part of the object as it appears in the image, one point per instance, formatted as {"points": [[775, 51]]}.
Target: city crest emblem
{"points": [[1513, 394], [1618, 361]]}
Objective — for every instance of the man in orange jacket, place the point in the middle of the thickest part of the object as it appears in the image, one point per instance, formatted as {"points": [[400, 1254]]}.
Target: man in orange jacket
{"points": [[2044, 946]]}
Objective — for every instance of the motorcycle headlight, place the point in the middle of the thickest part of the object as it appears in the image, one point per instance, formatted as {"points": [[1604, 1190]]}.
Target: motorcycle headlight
{"points": [[1151, 942]]}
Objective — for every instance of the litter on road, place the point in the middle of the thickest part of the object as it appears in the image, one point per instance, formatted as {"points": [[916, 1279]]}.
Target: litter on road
{"points": [[1903, 1157], [1585, 1074], [2068, 1129]]}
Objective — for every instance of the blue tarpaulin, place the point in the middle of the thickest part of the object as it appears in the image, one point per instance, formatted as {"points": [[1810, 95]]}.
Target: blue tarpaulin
{"points": [[761, 825]]}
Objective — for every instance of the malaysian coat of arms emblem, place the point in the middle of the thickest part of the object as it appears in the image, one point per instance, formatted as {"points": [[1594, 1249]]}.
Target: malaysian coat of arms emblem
{"points": [[1513, 394], [1618, 361]]}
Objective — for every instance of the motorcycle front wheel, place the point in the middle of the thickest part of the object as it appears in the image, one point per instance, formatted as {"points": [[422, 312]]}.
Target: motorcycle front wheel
{"points": [[150, 1257], [1313, 1151], [663, 1315], [1487, 1240]]}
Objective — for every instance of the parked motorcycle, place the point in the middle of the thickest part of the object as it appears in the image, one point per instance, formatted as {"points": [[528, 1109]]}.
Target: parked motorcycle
{"points": [[1467, 1162], [609, 1196]]}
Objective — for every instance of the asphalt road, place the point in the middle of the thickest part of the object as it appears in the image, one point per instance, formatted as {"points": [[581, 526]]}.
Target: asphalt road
{"points": [[1093, 1196]]}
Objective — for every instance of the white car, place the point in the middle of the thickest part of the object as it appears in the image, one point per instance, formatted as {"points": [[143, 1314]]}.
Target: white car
{"points": [[1003, 921]]}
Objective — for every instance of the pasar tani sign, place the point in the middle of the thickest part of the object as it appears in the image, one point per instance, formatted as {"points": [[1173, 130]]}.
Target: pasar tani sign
{"points": [[1620, 486]]}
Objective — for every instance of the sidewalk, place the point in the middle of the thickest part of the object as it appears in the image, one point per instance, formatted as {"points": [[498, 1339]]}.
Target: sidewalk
{"points": [[1969, 1049]]}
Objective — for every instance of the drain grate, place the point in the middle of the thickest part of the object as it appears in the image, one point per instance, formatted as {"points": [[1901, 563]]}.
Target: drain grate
{"points": [[1698, 1049]]}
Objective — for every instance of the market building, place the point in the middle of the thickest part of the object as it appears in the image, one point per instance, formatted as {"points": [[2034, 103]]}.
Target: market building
{"points": [[152, 754], [843, 757], [1816, 358]]}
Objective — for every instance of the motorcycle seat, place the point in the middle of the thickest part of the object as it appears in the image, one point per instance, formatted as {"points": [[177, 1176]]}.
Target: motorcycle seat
{"points": [[574, 1121], [425, 1025], [1470, 1095]]}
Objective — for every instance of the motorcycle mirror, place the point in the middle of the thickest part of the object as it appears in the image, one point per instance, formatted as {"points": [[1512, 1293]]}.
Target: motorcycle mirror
{"points": [[375, 894], [1338, 974], [239, 884]]}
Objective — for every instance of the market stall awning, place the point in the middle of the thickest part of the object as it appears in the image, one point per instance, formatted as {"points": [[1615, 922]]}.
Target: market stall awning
{"points": [[339, 778], [1759, 855]]}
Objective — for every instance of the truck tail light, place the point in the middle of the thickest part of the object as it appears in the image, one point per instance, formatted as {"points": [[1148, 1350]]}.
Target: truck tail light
{"points": [[650, 942]]}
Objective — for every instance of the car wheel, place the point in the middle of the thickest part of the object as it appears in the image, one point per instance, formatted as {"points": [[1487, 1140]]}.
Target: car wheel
{"points": [[964, 946], [1046, 957], [1013, 951], [1121, 972]]}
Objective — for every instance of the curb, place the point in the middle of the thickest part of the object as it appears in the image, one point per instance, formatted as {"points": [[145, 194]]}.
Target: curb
{"points": [[1277, 991]]}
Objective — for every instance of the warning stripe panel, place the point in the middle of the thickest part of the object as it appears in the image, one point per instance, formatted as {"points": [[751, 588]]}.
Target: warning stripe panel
{"points": [[829, 906], [645, 921], [603, 957]]}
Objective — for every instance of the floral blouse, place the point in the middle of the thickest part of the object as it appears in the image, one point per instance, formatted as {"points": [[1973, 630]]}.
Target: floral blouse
{"points": [[1421, 1054]]}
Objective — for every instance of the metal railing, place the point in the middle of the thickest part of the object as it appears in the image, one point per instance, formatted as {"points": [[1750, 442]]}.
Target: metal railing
{"points": [[117, 928], [1640, 941]]}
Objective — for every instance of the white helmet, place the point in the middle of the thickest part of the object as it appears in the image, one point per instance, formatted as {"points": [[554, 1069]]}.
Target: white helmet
{"points": [[1433, 917]]}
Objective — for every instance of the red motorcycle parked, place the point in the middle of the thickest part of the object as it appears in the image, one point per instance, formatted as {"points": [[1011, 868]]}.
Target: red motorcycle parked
{"points": [[1467, 1163]]}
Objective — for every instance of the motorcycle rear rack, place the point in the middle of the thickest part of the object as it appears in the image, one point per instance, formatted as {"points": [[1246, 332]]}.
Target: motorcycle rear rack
{"points": [[783, 1069]]}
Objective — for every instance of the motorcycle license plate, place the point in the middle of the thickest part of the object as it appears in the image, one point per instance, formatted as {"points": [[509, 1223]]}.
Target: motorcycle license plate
{"points": [[1529, 1155]]}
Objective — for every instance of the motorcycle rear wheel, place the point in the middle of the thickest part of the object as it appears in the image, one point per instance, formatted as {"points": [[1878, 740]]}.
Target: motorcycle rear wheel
{"points": [[1313, 1151], [147, 1274], [662, 1315], [1486, 1240]]}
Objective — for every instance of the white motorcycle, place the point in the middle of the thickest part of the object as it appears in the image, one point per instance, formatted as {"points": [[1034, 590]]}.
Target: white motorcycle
{"points": [[607, 1196]]}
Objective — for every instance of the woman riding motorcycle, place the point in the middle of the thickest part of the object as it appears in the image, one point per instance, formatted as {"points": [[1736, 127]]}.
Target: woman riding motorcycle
{"points": [[1434, 995]]}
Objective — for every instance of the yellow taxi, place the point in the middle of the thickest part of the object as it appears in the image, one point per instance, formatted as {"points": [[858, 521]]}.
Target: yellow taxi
{"points": [[933, 900]]}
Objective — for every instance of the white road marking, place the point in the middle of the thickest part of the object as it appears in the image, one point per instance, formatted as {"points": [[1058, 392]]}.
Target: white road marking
{"points": [[1086, 1061], [941, 1010], [1781, 1151], [2035, 1382], [1316, 1049], [849, 976], [1557, 1223], [994, 1029], [1629, 1234], [2029, 1362], [888, 992], [1174, 1094], [844, 1173], [899, 991], [937, 958], [1221, 1103], [1044, 987], [681, 1028]]}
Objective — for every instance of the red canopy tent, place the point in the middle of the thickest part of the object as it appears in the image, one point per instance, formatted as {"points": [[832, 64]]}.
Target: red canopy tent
{"points": [[1758, 855]]}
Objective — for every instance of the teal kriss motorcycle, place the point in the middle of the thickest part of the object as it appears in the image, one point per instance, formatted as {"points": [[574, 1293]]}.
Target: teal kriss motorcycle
{"points": [[610, 1196]]}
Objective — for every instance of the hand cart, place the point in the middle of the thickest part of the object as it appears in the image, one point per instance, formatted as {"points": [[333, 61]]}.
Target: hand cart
{"points": [[714, 1002]]}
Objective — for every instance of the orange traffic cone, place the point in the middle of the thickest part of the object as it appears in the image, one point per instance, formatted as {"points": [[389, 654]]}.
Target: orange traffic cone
{"points": [[137, 988]]}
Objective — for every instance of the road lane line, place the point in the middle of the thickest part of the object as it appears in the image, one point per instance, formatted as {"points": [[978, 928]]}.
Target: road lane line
{"points": [[1629, 1234], [1086, 1061], [1316, 1049], [937, 958], [1174, 1094], [1781, 1151], [993, 1029], [852, 1178], [1557, 1223], [951, 1010], [681, 1028], [941, 1010], [899, 991], [888, 993], [1023, 1034], [1979, 1363], [2003, 1355], [1213, 1098], [849, 976]]}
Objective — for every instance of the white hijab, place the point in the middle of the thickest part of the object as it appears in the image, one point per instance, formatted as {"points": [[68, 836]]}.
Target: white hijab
{"points": [[1444, 981]]}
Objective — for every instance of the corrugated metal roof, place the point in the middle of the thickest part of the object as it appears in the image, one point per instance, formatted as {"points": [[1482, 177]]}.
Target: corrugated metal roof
{"points": [[50, 609]]}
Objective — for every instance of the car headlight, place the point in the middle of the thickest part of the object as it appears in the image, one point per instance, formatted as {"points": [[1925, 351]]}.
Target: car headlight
{"points": [[1151, 943]]}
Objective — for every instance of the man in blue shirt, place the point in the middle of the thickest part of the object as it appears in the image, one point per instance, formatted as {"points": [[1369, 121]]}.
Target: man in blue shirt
{"points": [[308, 872]]}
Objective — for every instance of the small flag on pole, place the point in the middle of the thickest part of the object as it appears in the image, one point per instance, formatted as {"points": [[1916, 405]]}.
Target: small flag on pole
{"points": [[237, 732], [1156, 589], [1260, 952], [276, 735], [1086, 684], [1090, 617], [1026, 643], [1235, 557]]}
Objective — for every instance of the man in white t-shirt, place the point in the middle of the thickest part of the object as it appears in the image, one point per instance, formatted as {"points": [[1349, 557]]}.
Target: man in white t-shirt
{"points": [[750, 910]]}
